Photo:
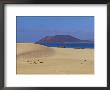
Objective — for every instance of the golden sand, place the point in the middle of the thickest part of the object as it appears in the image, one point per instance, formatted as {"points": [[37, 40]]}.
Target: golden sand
{"points": [[39, 59]]}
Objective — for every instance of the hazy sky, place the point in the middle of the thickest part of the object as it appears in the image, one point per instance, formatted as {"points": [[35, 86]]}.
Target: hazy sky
{"points": [[33, 28]]}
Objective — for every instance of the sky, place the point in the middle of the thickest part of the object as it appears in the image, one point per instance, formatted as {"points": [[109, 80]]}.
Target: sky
{"points": [[33, 28]]}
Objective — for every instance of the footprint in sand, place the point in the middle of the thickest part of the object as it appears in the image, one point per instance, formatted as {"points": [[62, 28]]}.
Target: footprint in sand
{"points": [[35, 62], [83, 60], [41, 62], [81, 63], [29, 61]]}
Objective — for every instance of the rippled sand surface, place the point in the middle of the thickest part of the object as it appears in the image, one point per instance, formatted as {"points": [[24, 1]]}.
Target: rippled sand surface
{"points": [[39, 59]]}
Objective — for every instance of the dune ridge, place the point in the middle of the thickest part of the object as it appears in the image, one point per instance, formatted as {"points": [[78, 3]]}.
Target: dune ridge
{"points": [[33, 51], [39, 59]]}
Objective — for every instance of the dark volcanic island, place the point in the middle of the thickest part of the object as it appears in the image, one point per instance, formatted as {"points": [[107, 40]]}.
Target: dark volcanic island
{"points": [[61, 39]]}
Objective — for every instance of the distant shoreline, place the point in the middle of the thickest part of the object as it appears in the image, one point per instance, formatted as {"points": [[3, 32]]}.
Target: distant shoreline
{"points": [[66, 46], [69, 45]]}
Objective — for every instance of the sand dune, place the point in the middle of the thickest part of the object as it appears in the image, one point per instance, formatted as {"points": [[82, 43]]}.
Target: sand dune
{"points": [[39, 59], [33, 50]]}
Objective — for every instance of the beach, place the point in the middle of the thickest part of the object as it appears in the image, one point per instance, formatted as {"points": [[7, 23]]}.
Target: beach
{"points": [[40, 59]]}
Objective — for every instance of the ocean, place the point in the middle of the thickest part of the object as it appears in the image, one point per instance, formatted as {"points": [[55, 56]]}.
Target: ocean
{"points": [[70, 45]]}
